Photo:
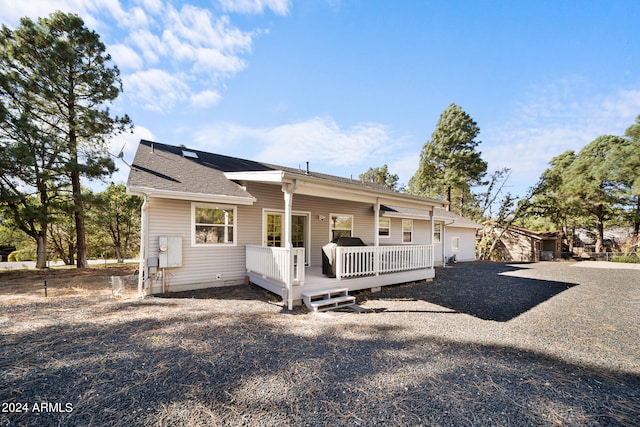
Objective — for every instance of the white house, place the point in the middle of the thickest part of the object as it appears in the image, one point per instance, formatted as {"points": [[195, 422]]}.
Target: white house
{"points": [[212, 220]]}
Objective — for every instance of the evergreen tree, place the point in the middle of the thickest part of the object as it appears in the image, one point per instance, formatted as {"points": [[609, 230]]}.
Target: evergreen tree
{"points": [[630, 175], [592, 181], [381, 176], [449, 163], [118, 215], [57, 82]]}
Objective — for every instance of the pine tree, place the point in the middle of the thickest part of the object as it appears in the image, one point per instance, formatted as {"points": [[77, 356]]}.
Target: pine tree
{"points": [[449, 163], [57, 82]]}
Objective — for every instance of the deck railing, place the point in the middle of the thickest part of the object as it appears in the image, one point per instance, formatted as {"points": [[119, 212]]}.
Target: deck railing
{"points": [[353, 261], [276, 263]]}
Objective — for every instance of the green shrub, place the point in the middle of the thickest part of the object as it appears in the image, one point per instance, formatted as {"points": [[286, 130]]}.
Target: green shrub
{"points": [[632, 258], [22, 255]]}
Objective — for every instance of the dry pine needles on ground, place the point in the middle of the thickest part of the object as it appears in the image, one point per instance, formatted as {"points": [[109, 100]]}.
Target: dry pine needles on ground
{"points": [[482, 344]]}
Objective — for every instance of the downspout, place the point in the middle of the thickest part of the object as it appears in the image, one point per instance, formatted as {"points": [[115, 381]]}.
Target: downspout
{"points": [[144, 220], [443, 243]]}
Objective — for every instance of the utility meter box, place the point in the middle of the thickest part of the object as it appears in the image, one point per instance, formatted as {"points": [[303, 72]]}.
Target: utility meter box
{"points": [[170, 249]]}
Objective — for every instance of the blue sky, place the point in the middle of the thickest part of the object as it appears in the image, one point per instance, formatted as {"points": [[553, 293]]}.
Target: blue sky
{"points": [[352, 84]]}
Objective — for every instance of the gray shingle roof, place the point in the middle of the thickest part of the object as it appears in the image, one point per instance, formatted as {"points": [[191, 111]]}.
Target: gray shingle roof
{"points": [[164, 167], [167, 167]]}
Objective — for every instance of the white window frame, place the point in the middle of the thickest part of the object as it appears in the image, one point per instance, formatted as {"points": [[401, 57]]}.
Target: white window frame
{"points": [[331, 229], [407, 221], [455, 244], [382, 236], [195, 205], [307, 234], [437, 231]]}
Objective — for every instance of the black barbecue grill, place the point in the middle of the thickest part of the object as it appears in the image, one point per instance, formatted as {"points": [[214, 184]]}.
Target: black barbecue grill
{"points": [[329, 253]]}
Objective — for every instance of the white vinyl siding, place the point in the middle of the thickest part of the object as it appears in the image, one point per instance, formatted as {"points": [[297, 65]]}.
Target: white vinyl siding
{"points": [[466, 238], [201, 264], [271, 198]]}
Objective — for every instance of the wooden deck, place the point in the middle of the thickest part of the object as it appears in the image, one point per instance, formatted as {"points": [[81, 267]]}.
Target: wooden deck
{"points": [[281, 271], [316, 281]]}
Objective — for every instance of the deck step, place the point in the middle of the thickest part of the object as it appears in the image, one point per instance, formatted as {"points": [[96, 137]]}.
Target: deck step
{"points": [[328, 299]]}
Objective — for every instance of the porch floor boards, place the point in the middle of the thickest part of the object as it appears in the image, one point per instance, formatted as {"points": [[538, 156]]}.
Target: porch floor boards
{"points": [[315, 281]]}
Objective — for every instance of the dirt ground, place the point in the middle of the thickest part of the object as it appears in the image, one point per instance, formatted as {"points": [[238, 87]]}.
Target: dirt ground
{"points": [[483, 344], [67, 281]]}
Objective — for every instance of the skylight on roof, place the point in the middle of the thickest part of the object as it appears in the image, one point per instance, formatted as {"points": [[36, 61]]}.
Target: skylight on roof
{"points": [[189, 154]]}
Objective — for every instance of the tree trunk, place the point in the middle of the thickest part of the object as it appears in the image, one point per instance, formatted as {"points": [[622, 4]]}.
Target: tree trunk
{"points": [[70, 254], [599, 228], [41, 250], [636, 222], [571, 238], [76, 189], [119, 255], [81, 239]]}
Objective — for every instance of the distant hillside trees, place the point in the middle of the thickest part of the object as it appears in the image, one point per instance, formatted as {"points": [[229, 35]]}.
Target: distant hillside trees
{"points": [[113, 228], [56, 82], [116, 217]]}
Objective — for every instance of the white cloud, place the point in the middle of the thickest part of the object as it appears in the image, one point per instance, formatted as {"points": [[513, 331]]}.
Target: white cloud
{"points": [[199, 28], [405, 166], [562, 116], [319, 139], [149, 44], [218, 62], [128, 143], [205, 98], [156, 89], [125, 57], [280, 7], [153, 6], [13, 10], [149, 36]]}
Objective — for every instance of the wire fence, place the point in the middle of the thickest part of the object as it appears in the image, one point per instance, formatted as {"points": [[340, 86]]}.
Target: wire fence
{"points": [[608, 256]]}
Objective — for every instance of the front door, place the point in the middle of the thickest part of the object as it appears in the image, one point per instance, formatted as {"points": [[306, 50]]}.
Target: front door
{"points": [[274, 230]]}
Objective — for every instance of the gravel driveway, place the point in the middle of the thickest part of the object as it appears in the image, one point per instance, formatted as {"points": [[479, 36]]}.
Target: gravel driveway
{"points": [[483, 344]]}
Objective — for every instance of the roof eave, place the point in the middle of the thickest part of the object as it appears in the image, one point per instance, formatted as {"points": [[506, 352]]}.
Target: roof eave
{"points": [[276, 176], [185, 195]]}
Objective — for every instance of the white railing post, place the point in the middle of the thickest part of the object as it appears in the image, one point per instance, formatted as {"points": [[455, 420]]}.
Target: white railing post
{"points": [[287, 265], [275, 263]]}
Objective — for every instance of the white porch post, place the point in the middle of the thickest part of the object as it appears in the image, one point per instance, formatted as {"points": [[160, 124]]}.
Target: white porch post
{"points": [[443, 241], [376, 223], [376, 236], [432, 229], [144, 248], [288, 190]]}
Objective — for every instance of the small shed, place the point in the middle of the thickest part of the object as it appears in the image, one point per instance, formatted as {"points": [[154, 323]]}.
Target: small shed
{"points": [[521, 244]]}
